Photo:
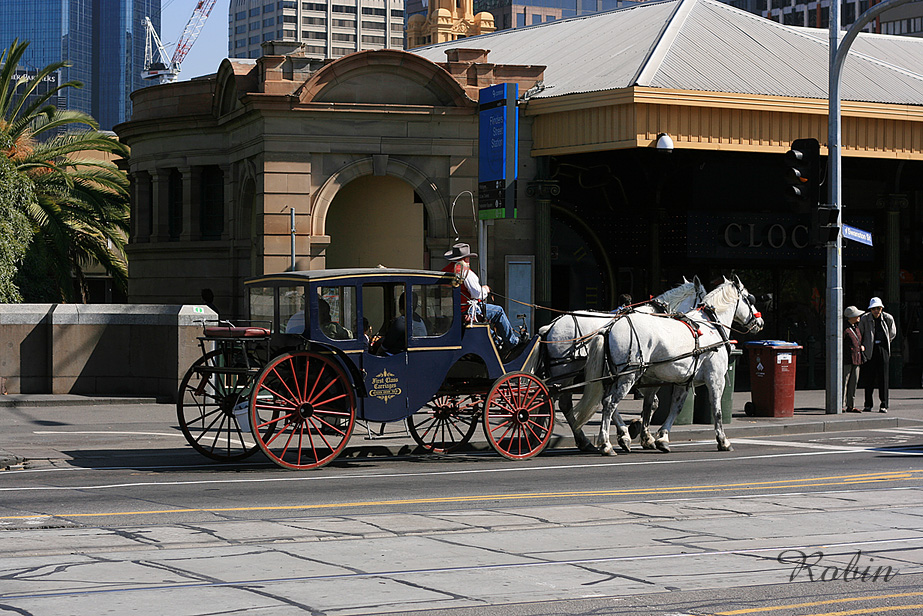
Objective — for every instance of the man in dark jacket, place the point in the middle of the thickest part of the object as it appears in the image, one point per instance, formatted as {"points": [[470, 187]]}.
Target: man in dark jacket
{"points": [[878, 330]]}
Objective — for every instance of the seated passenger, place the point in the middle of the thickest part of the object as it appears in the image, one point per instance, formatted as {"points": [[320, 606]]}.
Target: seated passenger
{"points": [[395, 338], [331, 329]]}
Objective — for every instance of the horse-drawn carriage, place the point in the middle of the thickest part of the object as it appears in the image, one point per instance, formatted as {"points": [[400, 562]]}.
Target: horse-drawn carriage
{"points": [[295, 380]]}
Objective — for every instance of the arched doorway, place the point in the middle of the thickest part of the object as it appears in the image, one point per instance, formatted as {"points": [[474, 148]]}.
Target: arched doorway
{"points": [[375, 220]]}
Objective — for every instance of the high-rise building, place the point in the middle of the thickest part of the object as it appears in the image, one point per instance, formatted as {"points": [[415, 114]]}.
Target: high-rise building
{"points": [[326, 28], [102, 40], [905, 20], [521, 13]]}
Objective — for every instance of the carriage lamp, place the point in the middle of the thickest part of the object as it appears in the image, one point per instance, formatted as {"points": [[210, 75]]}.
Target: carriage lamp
{"points": [[664, 143]]}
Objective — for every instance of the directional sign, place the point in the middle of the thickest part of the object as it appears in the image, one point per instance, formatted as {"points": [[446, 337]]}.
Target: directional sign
{"points": [[498, 147], [858, 235]]}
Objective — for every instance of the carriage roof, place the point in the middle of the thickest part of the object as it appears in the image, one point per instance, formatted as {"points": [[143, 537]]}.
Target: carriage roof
{"points": [[356, 273]]}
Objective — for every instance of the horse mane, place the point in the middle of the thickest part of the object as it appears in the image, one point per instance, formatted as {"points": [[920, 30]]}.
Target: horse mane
{"points": [[722, 296], [673, 296]]}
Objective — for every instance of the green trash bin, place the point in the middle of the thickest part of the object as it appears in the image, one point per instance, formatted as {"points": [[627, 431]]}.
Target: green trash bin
{"points": [[665, 396], [702, 414]]}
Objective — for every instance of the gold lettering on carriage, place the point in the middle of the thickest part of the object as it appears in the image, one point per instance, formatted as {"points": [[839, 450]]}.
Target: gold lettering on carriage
{"points": [[385, 386]]}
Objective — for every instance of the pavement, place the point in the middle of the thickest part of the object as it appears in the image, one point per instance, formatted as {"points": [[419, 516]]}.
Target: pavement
{"points": [[393, 439]]}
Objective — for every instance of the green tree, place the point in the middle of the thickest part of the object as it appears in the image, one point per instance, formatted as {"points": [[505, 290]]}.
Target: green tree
{"points": [[15, 230], [80, 213]]}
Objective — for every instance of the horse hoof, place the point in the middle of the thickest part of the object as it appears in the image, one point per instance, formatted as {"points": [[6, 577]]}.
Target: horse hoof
{"points": [[725, 447], [664, 447], [648, 445], [625, 445], [608, 451]]}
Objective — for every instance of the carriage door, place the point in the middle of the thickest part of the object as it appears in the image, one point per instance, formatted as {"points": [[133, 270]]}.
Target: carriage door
{"points": [[386, 371]]}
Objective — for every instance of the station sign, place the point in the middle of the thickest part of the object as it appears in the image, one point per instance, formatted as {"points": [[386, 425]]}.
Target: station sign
{"points": [[498, 151]]}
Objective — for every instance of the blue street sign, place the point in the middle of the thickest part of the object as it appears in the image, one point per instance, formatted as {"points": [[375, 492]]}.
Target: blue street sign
{"points": [[498, 151], [858, 235]]}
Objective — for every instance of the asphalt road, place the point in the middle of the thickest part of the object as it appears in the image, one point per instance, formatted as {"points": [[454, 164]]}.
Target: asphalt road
{"points": [[121, 517]]}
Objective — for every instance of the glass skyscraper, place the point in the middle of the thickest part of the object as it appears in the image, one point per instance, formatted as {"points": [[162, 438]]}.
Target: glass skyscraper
{"points": [[103, 40]]}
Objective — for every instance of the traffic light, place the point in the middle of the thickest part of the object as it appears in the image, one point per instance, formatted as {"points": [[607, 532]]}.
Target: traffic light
{"points": [[802, 173], [825, 225]]}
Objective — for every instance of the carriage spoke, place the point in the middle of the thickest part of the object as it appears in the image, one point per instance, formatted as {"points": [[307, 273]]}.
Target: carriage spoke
{"points": [[315, 411], [205, 407], [518, 417], [446, 423]]}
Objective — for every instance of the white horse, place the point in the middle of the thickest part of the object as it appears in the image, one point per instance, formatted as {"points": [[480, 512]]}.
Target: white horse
{"points": [[565, 345], [650, 349]]}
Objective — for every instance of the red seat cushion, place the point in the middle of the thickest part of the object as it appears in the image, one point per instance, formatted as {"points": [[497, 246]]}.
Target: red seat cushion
{"points": [[236, 332]]}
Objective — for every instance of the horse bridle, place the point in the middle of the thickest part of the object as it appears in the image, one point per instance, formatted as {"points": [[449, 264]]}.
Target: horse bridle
{"points": [[750, 302]]}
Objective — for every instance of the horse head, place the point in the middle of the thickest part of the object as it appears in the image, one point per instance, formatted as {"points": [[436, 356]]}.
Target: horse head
{"points": [[746, 313], [700, 291]]}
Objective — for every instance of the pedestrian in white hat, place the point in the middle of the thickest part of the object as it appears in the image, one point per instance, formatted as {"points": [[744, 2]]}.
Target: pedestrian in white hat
{"points": [[878, 330], [852, 357]]}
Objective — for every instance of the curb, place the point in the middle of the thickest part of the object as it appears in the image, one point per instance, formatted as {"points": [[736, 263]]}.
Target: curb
{"points": [[7, 460], [53, 400]]}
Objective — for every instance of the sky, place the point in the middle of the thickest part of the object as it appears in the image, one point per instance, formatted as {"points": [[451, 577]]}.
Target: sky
{"points": [[209, 49]]}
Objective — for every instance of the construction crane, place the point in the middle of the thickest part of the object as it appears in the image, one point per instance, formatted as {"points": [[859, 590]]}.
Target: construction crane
{"points": [[165, 69]]}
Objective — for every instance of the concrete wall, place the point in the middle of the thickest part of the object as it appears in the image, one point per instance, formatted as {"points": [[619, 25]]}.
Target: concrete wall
{"points": [[98, 349]]}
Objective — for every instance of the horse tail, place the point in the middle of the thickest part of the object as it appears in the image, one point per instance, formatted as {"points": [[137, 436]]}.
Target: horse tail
{"points": [[593, 389]]}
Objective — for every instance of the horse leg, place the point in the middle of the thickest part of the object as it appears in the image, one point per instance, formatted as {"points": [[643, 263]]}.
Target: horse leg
{"points": [[624, 435], [614, 395], [715, 389], [662, 442], [651, 402], [566, 406]]}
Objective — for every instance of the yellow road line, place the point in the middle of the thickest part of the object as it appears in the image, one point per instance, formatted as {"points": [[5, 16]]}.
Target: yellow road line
{"points": [[759, 610], [762, 485]]}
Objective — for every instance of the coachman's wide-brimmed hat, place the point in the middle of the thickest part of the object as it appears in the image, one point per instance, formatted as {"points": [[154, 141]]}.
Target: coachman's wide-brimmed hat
{"points": [[852, 311], [460, 251]]}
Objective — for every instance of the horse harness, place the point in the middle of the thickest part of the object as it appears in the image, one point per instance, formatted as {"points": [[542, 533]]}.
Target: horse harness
{"points": [[696, 353], [582, 340]]}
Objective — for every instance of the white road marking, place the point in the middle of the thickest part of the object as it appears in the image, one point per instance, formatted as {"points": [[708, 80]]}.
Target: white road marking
{"points": [[843, 448], [106, 432]]}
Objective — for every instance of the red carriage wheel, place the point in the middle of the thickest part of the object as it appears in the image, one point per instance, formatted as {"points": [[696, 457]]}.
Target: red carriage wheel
{"points": [[302, 410], [205, 405], [518, 416], [445, 423]]}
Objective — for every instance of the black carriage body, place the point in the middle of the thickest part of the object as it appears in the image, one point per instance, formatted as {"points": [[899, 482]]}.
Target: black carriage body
{"points": [[440, 353]]}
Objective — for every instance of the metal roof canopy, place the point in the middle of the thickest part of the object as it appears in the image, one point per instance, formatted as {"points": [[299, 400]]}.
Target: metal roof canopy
{"points": [[701, 45]]}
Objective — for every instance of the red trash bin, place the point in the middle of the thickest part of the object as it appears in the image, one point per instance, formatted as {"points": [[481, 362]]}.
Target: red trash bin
{"points": [[772, 378]]}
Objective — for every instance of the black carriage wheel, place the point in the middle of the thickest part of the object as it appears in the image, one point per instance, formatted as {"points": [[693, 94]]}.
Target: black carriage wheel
{"points": [[445, 423], [302, 410], [518, 416], [205, 408]]}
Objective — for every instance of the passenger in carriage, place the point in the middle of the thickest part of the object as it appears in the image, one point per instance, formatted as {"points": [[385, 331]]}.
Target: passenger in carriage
{"points": [[472, 289], [395, 338], [331, 329]]}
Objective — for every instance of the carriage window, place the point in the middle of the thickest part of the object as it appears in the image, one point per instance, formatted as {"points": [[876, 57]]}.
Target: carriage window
{"points": [[435, 307], [291, 310], [336, 312], [379, 308], [261, 306]]}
